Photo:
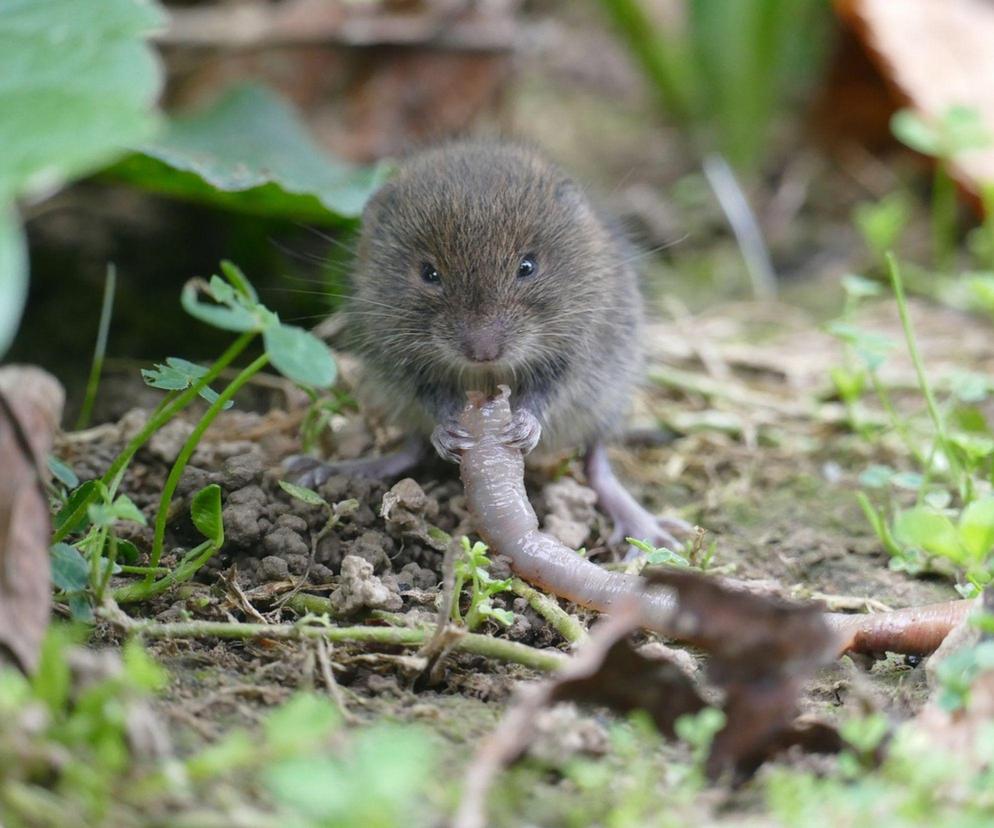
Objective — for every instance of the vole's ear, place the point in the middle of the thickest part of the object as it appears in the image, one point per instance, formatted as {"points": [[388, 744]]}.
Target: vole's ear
{"points": [[381, 203], [569, 194]]}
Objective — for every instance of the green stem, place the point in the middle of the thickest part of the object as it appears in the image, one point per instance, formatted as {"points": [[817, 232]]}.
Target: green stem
{"points": [[897, 422], [187, 451], [147, 588], [95, 550], [943, 216], [99, 349], [988, 201], [159, 418], [566, 625], [108, 568], [916, 359], [485, 645]]}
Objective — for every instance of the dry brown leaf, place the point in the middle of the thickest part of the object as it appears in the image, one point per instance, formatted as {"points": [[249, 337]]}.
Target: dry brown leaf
{"points": [[31, 403], [938, 54]]}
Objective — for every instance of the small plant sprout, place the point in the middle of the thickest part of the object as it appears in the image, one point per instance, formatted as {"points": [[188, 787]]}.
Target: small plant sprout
{"points": [[698, 730], [959, 130], [471, 568], [881, 224], [863, 354], [694, 554], [336, 513], [950, 527], [658, 555], [957, 672]]}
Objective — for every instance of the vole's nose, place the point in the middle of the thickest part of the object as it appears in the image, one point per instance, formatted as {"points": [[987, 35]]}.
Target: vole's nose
{"points": [[483, 342]]}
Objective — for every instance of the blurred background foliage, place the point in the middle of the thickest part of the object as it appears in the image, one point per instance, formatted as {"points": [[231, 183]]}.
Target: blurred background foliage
{"points": [[732, 140]]}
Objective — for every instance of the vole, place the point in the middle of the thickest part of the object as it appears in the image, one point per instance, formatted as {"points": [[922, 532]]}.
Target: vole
{"points": [[481, 263]]}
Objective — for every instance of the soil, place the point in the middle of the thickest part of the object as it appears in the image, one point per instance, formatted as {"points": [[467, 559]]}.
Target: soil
{"points": [[774, 496]]}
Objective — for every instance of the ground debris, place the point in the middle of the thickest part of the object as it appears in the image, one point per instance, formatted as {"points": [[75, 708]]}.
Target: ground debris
{"points": [[359, 589]]}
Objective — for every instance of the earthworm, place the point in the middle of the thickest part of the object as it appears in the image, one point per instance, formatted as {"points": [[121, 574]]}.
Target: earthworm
{"points": [[493, 477]]}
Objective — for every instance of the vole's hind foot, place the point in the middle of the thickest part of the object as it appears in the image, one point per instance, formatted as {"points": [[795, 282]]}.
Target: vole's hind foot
{"points": [[305, 470], [523, 432], [631, 519]]}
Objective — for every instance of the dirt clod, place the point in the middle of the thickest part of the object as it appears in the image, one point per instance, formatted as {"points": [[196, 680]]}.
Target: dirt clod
{"points": [[571, 511], [359, 589]]}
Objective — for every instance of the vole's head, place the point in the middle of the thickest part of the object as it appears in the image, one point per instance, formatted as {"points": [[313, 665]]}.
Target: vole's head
{"points": [[479, 262]]}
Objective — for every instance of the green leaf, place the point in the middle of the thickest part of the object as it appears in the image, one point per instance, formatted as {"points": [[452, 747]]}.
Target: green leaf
{"points": [[875, 519], [914, 131], [976, 528], [73, 514], [13, 272], [964, 130], [300, 356], [77, 84], [859, 287], [929, 531], [205, 511], [237, 279], [233, 317], [876, 476], [123, 508], [80, 607], [304, 721], [62, 472], [178, 375], [143, 671], [881, 224], [70, 572], [380, 782], [303, 494], [251, 152], [127, 551], [658, 555]]}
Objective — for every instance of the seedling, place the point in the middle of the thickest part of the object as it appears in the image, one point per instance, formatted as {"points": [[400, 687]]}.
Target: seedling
{"points": [[693, 555], [959, 130], [335, 513], [293, 351], [471, 568], [881, 225]]}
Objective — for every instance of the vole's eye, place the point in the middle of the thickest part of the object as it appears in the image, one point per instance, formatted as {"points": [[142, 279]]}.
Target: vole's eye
{"points": [[527, 267], [429, 274]]}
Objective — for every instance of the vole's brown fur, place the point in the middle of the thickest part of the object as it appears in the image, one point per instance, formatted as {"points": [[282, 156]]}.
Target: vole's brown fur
{"points": [[569, 333], [482, 264]]}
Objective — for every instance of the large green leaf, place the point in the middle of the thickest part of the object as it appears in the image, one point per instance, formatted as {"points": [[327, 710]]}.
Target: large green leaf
{"points": [[251, 152], [13, 275], [921, 528], [77, 84], [300, 356], [976, 528]]}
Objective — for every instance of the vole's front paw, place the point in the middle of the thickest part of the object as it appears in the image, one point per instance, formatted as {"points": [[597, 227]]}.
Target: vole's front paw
{"points": [[523, 432], [449, 440]]}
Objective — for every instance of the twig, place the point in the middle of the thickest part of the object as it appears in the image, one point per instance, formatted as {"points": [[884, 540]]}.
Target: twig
{"points": [[321, 648], [445, 635]]}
